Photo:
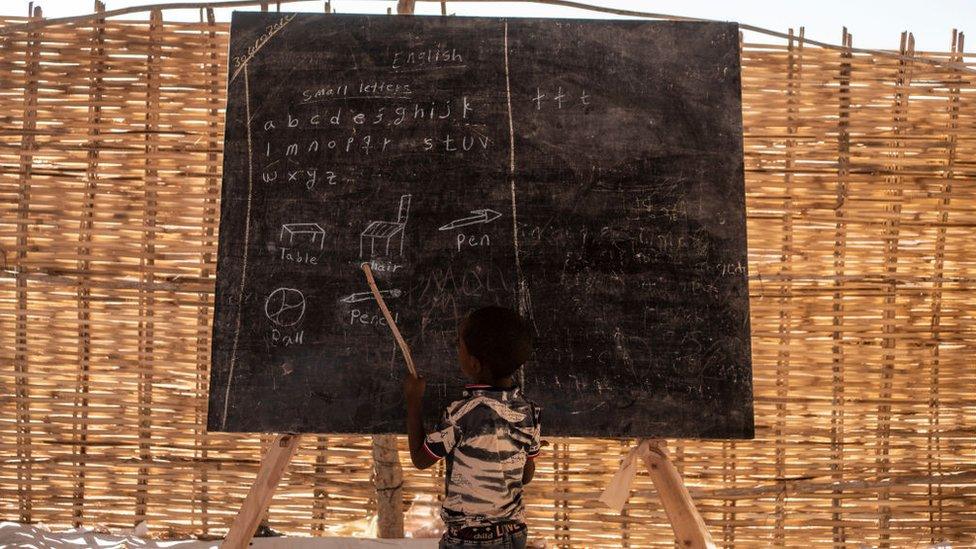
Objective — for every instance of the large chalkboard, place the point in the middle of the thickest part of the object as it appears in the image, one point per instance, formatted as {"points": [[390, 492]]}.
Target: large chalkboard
{"points": [[588, 173]]}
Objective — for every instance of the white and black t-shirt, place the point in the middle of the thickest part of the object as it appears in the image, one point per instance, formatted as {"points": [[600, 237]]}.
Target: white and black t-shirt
{"points": [[487, 436]]}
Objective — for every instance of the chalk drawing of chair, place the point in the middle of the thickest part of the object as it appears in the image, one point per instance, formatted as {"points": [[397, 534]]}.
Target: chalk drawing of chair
{"points": [[386, 230]]}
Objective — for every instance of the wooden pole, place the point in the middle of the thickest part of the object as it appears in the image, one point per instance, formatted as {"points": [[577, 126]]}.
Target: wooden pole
{"points": [[688, 525], [21, 362], [259, 496], [388, 481]]}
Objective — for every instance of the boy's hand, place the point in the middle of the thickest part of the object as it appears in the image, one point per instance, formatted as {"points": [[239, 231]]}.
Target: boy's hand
{"points": [[413, 388]]}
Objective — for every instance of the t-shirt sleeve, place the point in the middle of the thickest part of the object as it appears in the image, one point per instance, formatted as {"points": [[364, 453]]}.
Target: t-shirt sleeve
{"points": [[443, 438], [535, 445]]}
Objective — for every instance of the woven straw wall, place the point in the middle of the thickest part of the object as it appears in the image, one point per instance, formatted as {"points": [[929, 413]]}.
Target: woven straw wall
{"points": [[861, 186]]}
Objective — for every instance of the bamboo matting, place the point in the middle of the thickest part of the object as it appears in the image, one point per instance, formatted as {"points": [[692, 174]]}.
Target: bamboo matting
{"points": [[861, 186]]}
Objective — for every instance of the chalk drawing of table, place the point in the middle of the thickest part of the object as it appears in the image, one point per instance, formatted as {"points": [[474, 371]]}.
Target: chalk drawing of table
{"points": [[313, 230], [386, 230]]}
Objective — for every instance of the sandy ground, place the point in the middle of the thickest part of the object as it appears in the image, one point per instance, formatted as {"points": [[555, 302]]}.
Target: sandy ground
{"points": [[13, 534]]}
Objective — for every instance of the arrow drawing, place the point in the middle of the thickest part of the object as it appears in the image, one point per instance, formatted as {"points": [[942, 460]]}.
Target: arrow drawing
{"points": [[480, 216], [364, 296]]}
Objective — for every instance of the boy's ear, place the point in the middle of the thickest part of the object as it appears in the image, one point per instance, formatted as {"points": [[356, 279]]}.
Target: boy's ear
{"points": [[476, 365]]}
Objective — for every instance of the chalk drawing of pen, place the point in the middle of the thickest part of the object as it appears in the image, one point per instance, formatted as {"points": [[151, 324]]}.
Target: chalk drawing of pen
{"points": [[479, 217]]}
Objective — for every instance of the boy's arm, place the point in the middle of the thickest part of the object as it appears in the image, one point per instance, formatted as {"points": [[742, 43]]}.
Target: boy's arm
{"points": [[413, 390], [535, 446], [528, 471]]}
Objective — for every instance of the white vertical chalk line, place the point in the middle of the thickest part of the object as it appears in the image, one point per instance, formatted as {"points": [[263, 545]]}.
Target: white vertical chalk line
{"points": [[522, 289], [511, 124], [247, 237]]}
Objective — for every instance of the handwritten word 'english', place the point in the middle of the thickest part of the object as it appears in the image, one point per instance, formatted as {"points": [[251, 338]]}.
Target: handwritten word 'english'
{"points": [[438, 55]]}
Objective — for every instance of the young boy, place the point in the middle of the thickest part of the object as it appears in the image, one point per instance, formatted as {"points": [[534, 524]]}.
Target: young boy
{"points": [[489, 437]]}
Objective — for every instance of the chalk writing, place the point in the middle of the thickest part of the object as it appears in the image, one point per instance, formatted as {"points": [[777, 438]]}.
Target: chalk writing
{"points": [[559, 98], [378, 87], [292, 255], [434, 56], [287, 339], [381, 266], [362, 318], [455, 143], [307, 177], [339, 90], [463, 240], [269, 31]]}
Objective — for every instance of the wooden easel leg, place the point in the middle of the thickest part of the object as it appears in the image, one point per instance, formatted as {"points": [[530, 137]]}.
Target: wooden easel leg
{"points": [[388, 480], [259, 496], [688, 525]]}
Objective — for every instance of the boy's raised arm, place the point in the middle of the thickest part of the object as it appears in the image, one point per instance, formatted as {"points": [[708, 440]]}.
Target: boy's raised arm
{"points": [[413, 392]]}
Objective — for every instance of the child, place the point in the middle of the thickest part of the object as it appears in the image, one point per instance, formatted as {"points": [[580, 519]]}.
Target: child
{"points": [[489, 437]]}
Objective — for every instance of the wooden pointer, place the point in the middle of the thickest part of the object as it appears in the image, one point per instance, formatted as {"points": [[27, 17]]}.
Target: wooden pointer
{"points": [[389, 319]]}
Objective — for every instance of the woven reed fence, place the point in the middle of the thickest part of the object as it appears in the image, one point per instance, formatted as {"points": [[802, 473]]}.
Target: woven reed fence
{"points": [[861, 187]]}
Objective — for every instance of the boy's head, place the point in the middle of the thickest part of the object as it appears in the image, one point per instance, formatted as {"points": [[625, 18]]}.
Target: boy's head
{"points": [[493, 342]]}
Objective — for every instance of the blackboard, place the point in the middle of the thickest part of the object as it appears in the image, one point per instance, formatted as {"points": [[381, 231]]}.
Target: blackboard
{"points": [[586, 172]]}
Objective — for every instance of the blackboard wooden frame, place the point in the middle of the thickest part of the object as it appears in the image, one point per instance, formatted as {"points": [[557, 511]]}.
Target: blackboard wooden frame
{"points": [[625, 246]]}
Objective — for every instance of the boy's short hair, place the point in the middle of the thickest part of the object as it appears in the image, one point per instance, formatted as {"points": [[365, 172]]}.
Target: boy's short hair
{"points": [[499, 338]]}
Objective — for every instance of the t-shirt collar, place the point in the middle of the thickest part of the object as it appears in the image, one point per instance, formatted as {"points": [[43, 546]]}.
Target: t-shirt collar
{"points": [[472, 388]]}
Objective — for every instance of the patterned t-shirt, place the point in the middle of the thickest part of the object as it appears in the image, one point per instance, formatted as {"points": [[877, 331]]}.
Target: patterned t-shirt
{"points": [[486, 436]]}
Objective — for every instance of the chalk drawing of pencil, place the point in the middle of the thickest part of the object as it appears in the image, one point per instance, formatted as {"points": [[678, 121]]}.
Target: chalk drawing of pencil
{"points": [[366, 296]]}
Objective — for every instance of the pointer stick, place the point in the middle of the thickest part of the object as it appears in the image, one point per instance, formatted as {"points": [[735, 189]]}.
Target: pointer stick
{"points": [[389, 319]]}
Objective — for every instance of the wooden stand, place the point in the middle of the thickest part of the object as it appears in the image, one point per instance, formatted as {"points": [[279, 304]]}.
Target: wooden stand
{"points": [[688, 525], [388, 477], [259, 496]]}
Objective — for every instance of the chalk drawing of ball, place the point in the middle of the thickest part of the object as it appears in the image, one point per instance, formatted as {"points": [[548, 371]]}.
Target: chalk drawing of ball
{"points": [[285, 306]]}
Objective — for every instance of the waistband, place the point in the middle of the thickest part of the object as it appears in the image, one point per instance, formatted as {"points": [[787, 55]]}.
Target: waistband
{"points": [[487, 532]]}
